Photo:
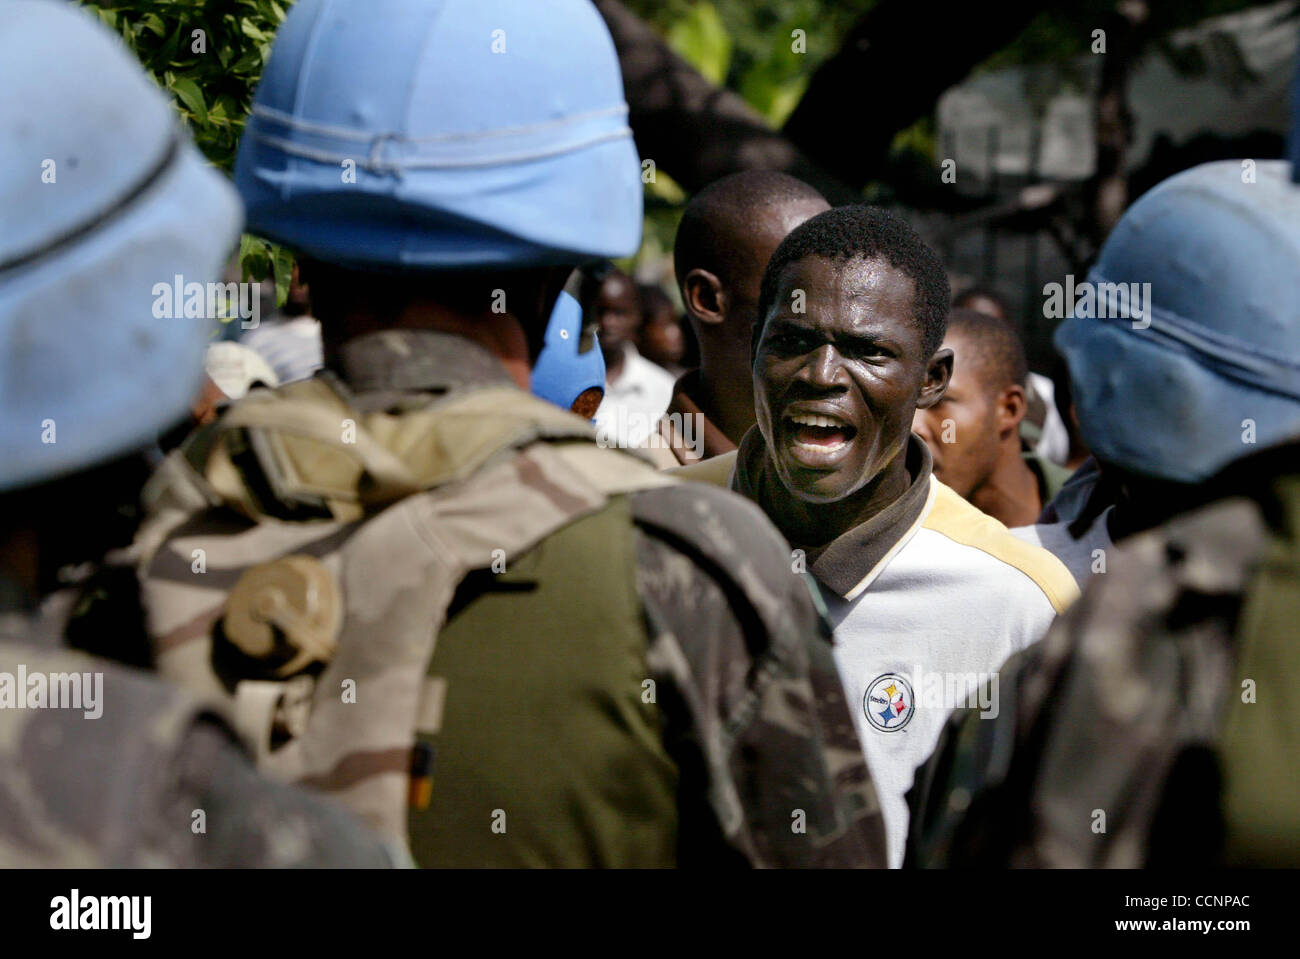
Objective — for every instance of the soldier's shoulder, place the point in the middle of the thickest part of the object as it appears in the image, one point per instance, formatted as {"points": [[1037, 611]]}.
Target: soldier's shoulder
{"points": [[710, 542], [1210, 551], [722, 525], [131, 771]]}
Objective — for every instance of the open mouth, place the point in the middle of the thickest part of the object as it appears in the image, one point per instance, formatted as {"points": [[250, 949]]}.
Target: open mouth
{"points": [[818, 433]]}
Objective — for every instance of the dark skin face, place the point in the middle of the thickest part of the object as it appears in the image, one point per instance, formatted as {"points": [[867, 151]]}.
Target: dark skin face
{"points": [[662, 339], [617, 312], [967, 449], [974, 436], [725, 310], [854, 357]]}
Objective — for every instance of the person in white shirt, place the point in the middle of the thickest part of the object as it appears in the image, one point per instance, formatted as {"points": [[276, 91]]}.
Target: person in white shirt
{"points": [[928, 595], [290, 341], [637, 392]]}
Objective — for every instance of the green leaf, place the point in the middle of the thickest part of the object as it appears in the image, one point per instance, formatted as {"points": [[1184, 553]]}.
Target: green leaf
{"points": [[254, 259], [153, 23], [252, 31], [191, 96], [167, 52], [250, 61], [282, 262], [702, 40]]}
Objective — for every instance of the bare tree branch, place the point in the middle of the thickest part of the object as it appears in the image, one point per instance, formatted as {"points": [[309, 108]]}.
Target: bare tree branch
{"points": [[890, 70], [691, 128]]}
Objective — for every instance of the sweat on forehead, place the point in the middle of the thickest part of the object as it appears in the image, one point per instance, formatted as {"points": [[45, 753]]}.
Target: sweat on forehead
{"points": [[850, 233]]}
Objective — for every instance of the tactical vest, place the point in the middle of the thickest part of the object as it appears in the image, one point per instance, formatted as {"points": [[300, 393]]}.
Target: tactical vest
{"points": [[1162, 727], [273, 603]]}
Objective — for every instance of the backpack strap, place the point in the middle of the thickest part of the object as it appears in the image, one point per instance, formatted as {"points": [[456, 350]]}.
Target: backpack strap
{"points": [[784, 684], [483, 476]]}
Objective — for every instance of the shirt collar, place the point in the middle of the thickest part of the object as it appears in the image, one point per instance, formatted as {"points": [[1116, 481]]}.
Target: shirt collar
{"points": [[851, 561]]}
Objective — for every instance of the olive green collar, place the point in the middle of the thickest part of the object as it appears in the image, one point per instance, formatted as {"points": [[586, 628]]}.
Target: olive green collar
{"points": [[852, 557]]}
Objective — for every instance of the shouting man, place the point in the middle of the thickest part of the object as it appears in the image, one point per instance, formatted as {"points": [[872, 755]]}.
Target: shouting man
{"points": [[928, 594]]}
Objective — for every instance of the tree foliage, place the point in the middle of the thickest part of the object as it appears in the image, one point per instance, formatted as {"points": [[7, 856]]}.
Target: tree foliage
{"points": [[209, 55]]}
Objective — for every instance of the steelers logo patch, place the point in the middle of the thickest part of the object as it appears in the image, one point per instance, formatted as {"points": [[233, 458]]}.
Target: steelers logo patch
{"points": [[888, 703]]}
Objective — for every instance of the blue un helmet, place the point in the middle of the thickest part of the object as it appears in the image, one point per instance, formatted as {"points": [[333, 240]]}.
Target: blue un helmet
{"points": [[102, 199], [1220, 361], [432, 134]]}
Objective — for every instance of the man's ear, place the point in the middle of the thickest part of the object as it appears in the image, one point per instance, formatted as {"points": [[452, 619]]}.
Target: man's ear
{"points": [[704, 297], [1012, 406], [937, 374]]}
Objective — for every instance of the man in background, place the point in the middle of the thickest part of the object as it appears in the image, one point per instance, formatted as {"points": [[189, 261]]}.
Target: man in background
{"points": [[637, 391], [727, 234], [665, 340], [973, 432]]}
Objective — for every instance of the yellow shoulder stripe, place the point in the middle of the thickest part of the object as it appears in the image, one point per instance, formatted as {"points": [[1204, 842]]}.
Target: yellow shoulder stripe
{"points": [[963, 523], [716, 470]]}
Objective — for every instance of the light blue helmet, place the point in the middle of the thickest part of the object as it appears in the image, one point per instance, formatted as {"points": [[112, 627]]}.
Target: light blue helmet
{"points": [[564, 370], [101, 199], [427, 134], [1216, 374]]}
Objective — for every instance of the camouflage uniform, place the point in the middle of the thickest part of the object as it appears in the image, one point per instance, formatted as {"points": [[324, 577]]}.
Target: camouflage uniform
{"points": [[535, 701], [122, 789], [1156, 723]]}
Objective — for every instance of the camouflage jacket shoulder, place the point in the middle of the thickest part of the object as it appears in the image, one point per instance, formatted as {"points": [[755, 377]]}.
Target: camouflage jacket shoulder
{"points": [[1109, 742], [103, 766], [740, 633]]}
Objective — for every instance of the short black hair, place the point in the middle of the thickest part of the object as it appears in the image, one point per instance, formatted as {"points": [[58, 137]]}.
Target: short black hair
{"points": [[864, 232], [995, 347], [969, 295], [721, 210]]}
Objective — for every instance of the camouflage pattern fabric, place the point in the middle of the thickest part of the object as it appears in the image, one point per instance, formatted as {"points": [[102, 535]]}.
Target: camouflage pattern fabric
{"points": [[760, 702], [156, 779], [500, 475], [1131, 735]]}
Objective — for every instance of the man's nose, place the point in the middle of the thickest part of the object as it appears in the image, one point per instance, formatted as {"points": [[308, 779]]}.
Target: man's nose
{"points": [[824, 368]]}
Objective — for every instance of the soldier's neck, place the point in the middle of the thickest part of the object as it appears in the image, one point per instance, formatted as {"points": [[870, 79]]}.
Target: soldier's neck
{"points": [[499, 333]]}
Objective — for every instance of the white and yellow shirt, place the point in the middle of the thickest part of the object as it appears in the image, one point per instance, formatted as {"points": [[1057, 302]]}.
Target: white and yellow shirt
{"points": [[928, 598]]}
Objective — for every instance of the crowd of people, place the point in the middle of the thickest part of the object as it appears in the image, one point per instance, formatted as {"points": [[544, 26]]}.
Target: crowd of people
{"points": [[476, 553]]}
